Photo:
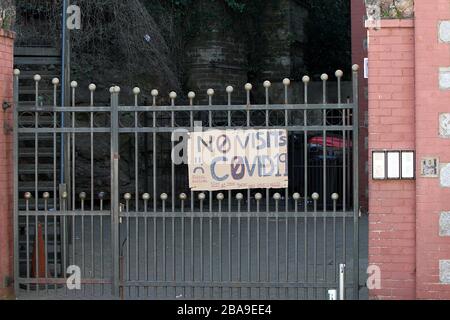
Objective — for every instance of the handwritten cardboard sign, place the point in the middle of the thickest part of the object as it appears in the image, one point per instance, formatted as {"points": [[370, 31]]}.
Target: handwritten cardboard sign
{"points": [[237, 159]]}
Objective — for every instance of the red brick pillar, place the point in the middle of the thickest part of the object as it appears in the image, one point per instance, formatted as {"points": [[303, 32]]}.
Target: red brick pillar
{"points": [[432, 34], [392, 227], [6, 169]]}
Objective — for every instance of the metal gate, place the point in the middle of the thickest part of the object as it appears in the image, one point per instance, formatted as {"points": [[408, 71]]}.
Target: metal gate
{"points": [[113, 206]]}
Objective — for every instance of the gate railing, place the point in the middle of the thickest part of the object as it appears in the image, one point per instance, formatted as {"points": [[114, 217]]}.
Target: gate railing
{"points": [[129, 221]]}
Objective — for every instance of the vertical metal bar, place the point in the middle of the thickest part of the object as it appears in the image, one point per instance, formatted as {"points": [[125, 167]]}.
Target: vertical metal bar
{"points": [[55, 82], [155, 199], [258, 197], [183, 271], [115, 190], [136, 254], [63, 208], [36, 185], [210, 93], [201, 197], [16, 183], [145, 197], [355, 183], [101, 253], [239, 197], [315, 197], [230, 264], [155, 255], [305, 184], [339, 75], [220, 197], [267, 253], [267, 86], [128, 240], [91, 136], [83, 260], [296, 196], [164, 198], [335, 198], [136, 183], [324, 78], [73, 84], [342, 282], [192, 252], [154, 157], [248, 87], [277, 243]]}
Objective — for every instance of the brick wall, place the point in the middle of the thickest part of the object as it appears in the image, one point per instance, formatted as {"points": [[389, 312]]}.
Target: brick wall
{"points": [[432, 198], [6, 243], [391, 126], [409, 91]]}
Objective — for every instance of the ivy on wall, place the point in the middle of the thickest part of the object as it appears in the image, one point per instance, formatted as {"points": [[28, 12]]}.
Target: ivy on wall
{"points": [[7, 14]]}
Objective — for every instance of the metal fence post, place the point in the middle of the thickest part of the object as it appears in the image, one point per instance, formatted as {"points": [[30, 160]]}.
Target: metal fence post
{"points": [[15, 180], [355, 139], [115, 189]]}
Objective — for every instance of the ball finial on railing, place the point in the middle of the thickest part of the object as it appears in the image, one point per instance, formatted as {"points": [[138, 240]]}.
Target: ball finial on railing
{"points": [[324, 77], [229, 89], [220, 196], [267, 84], [335, 196], [37, 77], [74, 84], [154, 93], [136, 90], [101, 195], [210, 92], [145, 196], [183, 196], [55, 81], [201, 196], [277, 196], [306, 79], [16, 72], [258, 196], [248, 86], [46, 195], [116, 89], [355, 67], [127, 196], [191, 95], [27, 195], [296, 196], [111, 89], [339, 74], [315, 196], [82, 195], [173, 95], [92, 87], [164, 196], [64, 195], [239, 196], [286, 81]]}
